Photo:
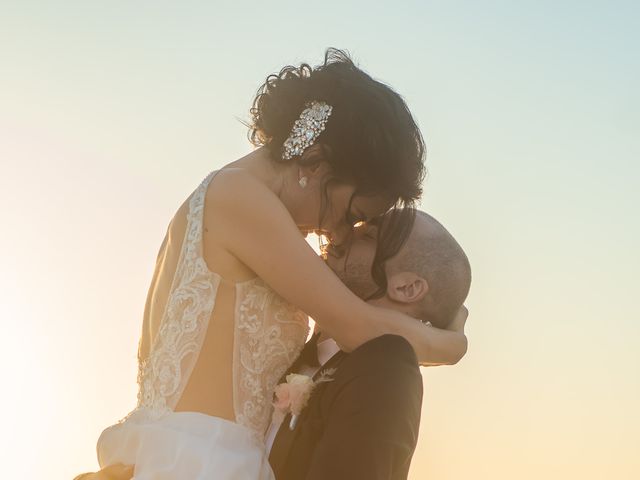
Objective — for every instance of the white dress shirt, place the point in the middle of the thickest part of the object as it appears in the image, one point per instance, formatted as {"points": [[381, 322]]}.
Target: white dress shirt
{"points": [[326, 349]]}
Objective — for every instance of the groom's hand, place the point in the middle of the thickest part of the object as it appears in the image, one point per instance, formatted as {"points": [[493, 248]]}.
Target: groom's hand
{"points": [[112, 472]]}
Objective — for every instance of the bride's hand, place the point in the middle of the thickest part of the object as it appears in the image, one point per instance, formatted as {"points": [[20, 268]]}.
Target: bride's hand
{"points": [[112, 472], [457, 324], [456, 328]]}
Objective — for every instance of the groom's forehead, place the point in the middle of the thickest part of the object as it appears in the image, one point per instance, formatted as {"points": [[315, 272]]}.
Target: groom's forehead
{"points": [[384, 237]]}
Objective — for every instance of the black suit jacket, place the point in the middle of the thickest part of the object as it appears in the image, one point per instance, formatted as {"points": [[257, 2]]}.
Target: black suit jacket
{"points": [[363, 424]]}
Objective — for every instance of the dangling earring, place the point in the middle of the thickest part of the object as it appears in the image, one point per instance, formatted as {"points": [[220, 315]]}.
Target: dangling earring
{"points": [[303, 182]]}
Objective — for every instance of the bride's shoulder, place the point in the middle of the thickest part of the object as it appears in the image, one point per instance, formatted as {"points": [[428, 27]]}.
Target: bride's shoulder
{"points": [[235, 188], [232, 176]]}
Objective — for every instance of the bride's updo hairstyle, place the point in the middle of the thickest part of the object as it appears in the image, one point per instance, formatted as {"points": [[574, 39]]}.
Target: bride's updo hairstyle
{"points": [[370, 140]]}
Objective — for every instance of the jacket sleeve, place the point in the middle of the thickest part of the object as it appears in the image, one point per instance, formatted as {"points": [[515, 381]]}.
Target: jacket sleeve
{"points": [[372, 424]]}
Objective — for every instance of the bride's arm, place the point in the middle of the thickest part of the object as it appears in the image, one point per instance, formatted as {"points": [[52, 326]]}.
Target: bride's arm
{"points": [[255, 226], [456, 325]]}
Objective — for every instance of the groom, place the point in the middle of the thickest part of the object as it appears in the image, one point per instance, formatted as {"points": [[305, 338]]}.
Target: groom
{"points": [[363, 422]]}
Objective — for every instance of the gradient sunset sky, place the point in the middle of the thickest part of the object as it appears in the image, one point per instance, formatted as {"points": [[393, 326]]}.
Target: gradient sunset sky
{"points": [[111, 113]]}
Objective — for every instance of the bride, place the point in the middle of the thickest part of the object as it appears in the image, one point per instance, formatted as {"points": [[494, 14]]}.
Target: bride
{"points": [[224, 313]]}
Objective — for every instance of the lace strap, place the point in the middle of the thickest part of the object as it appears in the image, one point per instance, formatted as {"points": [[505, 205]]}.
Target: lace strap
{"points": [[194, 250], [163, 376]]}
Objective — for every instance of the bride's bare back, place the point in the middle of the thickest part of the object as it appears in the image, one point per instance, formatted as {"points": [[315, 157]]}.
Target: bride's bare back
{"points": [[215, 337]]}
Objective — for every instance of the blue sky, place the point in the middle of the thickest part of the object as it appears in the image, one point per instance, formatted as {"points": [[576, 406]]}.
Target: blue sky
{"points": [[111, 112]]}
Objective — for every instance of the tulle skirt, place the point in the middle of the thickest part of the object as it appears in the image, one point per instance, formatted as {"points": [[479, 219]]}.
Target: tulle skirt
{"points": [[185, 446]]}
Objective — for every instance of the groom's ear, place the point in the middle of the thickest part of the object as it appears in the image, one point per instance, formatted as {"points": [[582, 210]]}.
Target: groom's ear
{"points": [[406, 287]]}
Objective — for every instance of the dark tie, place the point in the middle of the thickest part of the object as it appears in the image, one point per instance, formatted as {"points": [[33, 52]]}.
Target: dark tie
{"points": [[309, 354]]}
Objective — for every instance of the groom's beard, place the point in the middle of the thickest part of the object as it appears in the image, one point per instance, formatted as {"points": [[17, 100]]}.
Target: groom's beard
{"points": [[357, 278]]}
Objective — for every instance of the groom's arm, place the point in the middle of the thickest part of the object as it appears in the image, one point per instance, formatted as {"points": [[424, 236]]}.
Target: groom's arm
{"points": [[372, 426]]}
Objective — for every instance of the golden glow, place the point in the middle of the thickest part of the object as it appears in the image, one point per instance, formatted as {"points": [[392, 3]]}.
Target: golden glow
{"points": [[111, 115]]}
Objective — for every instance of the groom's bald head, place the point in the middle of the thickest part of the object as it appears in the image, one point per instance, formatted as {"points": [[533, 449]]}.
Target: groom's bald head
{"points": [[428, 276], [432, 253]]}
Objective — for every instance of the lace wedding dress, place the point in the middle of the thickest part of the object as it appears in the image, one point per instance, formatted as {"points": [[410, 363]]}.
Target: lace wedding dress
{"points": [[264, 337]]}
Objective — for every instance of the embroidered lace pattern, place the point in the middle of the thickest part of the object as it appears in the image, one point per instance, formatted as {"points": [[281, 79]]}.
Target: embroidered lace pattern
{"points": [[162, 376], [269, 335]]}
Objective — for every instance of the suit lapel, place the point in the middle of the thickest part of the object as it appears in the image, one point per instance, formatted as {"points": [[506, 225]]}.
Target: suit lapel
{"points": [[333, 362], [297, 363], [285, 438]]}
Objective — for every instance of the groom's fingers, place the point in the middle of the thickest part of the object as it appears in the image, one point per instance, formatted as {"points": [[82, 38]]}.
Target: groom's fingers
{"points": [[117, 472], [112, 472]]}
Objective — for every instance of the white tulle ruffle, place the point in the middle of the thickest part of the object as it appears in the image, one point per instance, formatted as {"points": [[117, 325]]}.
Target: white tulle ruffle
{"points": [[185, 446]]}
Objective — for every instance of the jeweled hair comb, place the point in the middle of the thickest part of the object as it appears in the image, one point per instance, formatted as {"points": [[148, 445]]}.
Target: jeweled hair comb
{"points": [[306, 129]]}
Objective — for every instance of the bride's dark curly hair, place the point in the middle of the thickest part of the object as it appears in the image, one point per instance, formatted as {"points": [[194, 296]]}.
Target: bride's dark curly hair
{"points": [[371, 140]]}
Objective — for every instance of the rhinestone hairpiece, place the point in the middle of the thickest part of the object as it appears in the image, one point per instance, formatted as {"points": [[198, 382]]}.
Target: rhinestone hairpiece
{"points": [[306, 129]]}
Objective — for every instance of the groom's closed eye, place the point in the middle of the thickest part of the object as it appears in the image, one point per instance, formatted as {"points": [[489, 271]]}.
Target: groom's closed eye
{"points": [[371, 233], [337, 250], [367, 230]]}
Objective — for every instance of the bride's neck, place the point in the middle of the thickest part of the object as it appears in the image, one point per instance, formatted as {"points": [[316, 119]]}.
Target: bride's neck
{"points": [[261, 166], [280, 177]]}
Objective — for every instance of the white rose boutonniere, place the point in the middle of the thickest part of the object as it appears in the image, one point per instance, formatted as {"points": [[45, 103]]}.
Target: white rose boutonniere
{"points": [[293, 395]]}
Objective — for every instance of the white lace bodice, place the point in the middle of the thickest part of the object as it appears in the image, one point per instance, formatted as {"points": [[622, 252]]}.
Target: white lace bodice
{"points": [[268, 334]]}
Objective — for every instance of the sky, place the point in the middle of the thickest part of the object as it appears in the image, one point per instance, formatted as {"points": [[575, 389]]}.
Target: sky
{"points": [[112, 112]]}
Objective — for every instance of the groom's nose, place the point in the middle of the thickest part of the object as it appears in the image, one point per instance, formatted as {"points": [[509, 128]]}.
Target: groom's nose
{"points": [[340, 235], [342, 249], [337, 250]]}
